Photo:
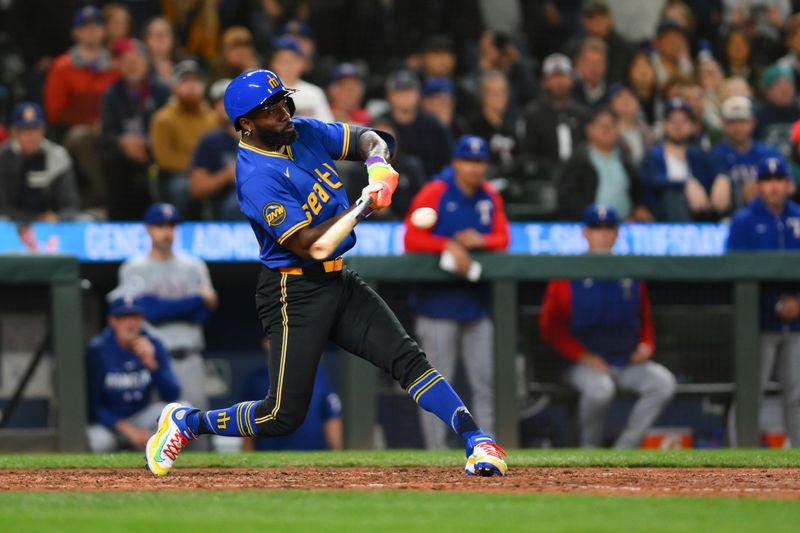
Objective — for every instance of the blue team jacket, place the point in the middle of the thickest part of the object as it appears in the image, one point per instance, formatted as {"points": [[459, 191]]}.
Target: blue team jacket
{"points": [[755, 228], [119, 384], [483, 212]]}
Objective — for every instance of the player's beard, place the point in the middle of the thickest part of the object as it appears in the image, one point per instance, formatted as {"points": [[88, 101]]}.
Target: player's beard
{"points": [[275, 139]]}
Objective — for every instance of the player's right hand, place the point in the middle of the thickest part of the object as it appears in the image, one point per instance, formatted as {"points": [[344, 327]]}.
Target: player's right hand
{"points": [[378, 192], [594, 361]]}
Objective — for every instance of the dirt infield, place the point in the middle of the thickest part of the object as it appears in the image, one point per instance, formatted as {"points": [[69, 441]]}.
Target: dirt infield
{"points": [[731, 482]]}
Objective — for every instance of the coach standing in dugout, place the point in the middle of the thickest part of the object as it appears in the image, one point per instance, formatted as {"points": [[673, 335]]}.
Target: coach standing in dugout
{"points": [[605, 329], [771, 223], [454, 319], [176, 295]]}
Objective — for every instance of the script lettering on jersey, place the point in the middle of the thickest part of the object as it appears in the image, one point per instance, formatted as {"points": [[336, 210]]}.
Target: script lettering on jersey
{"points": [[325, 176], [319, 196]]}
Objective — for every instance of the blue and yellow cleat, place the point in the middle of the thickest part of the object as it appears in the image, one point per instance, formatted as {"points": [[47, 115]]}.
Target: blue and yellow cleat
{"points": [[485, 457], [169, 440]]}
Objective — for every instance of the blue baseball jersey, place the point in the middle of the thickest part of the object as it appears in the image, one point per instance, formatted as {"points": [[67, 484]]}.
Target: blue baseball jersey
{"points": [[756, 228], [119, 384], [457, 211], [741, 167], [281, 193]]}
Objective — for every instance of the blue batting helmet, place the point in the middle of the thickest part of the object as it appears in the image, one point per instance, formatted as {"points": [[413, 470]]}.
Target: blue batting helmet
{"points": [[253, 90]]}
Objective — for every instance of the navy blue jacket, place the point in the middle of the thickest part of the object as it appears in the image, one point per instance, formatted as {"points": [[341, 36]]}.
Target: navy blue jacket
{"points": [[119, 384], [755, 228]]}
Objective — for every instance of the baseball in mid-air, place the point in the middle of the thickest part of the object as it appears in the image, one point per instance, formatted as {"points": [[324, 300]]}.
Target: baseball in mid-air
{"points": [[424, 217]]}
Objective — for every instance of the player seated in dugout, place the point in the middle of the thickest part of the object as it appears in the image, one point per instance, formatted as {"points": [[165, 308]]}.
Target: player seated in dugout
{"points": [[605, 330], [125, 365]]}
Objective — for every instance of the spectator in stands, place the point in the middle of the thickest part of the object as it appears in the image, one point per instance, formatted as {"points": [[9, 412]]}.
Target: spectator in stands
{"points": [[438, 58], [420, 133], [125, 366], [301, 32], [680, 180], [762, 19], [641, 76], [671, 53], [74, 87], [771, 223], [237, 54], [591, 62], [739, 154], [346, 95], [322, 427], [175, 293], [198, 26], [792, 41], [599, 172], [707, 124], [779, 110], [553, 124], [497, 51], [494, 121], [454, 320], [126, 110], [735, 87], [710, 78], [37, 178], [738, 55], [288, 62], [175, 131], [635, 134], [118, 23], [160, 42], [605, 329], [213, 169], [439, 99], [598, 23]]}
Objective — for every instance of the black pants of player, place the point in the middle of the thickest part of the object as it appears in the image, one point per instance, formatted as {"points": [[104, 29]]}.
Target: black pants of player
{"points": [[299, 313]]}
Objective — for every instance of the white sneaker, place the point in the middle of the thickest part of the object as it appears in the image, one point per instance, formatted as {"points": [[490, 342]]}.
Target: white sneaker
{"points": [[169, 440], [486, 459]]}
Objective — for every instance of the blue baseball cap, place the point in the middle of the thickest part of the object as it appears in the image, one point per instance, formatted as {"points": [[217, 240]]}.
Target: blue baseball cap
{"points": [[678, 104], [345, 70], [288, 43], [434, 86], [86, 15], [161, 213], [28, 115], [294, 27], [471, 147], [125, 306], [771, 168], [597, 215]]}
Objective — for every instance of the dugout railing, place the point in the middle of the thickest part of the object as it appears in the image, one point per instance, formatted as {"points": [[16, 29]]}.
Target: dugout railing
{"points": [[63, 340], [743, 273]]}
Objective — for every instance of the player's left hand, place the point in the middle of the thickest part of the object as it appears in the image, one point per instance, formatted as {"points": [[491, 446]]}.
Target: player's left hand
{"points": [[643, 353], [381, 172], [470, 238]]}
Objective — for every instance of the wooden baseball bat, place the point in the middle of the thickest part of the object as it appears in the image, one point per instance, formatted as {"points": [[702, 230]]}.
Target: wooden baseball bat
{"points": [[327, 243]]}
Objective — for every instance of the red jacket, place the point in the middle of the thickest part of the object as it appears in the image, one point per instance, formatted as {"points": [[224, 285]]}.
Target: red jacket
{"points": [[72, 94]]}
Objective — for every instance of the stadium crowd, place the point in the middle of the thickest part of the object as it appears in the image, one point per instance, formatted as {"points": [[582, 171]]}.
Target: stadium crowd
{"points": [[661, 110], [600, 111]]}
